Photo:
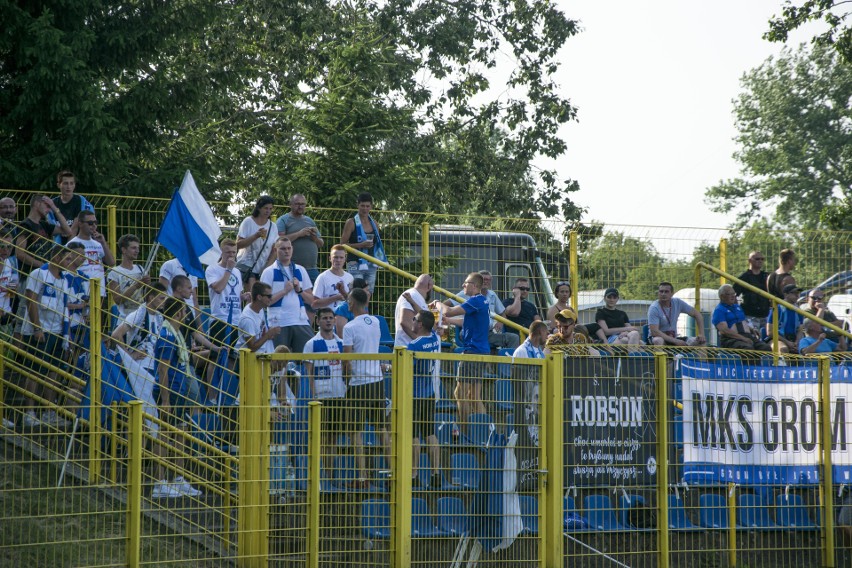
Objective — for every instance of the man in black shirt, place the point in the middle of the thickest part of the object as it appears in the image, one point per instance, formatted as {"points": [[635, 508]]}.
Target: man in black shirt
{"points": [[36, 233], [68, 203], [518, 309], [755, 306]]}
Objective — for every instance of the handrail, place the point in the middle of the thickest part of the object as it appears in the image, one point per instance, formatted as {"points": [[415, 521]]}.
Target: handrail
{"points": [[774, 301], [399, 272]]}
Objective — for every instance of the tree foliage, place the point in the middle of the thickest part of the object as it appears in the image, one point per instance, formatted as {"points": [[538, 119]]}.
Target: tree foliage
{"points": [[795, 137], [832, 13], [402, 98]]}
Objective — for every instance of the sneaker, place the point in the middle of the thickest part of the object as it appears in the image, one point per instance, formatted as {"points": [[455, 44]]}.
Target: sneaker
{"points": [[165, 490], [31, 420], [51, 418], [184, 488]]}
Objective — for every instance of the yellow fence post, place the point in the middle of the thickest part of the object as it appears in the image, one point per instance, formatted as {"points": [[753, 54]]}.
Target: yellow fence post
{"points": [[402, 412], [573, 267], [112, 230], [314, 451], [134, 486], [826, 487], [723, 259], [424, 248], [253, 512], [551, 547], [94, 380], [661, 370], [2, 383], [732, 525], [776, 344]]}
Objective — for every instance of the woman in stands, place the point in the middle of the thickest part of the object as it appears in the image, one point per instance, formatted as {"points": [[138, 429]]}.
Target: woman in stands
{"points": [[255, 238], [563, 302]]}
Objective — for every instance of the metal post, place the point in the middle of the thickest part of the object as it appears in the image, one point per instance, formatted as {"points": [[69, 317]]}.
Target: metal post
{"points": [[574, 268], [112, 229], [94, 380], [551, 546], [776, 343], [2, 380], [253, 483], [827, 475], [723, 259], [402, 412], [113, 443], [424, 248], [134, 486], [732, 525], [660, 370], [314, 457]]}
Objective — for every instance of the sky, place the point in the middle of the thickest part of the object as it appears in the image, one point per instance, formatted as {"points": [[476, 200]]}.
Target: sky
{"points": [[654, 83]]}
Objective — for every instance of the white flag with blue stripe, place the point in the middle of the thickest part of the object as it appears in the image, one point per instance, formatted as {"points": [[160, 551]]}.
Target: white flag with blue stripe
{"points": [[190, 230]]}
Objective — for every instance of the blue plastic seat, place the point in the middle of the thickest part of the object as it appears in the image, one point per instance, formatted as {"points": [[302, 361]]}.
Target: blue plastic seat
{"points": [[625, 503], [444, 424], [504, 395], [386, 338], [464, 472], [752, 513], [678, 520], [345, 470], [452, 516], [369, 437], [599, 513], [422, 525], [573, 521], [504, 370], [791, 513], [480, 429], [375, 519], [712, 511], [529, 514]]}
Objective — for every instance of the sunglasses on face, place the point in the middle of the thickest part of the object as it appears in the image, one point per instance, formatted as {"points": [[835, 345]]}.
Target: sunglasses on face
{"points": [[524, 288]]}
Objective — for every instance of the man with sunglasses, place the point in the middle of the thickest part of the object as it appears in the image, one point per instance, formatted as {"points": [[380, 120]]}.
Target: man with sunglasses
{"points": [[519, 309], [95, 247], [816, 306]]}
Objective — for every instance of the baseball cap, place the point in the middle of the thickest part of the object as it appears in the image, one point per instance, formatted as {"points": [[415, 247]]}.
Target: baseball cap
{"points": [[611, 292], [568, 313], [790, 288]]}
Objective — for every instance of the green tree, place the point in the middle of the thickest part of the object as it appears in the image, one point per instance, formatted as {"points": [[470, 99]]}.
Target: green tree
{"points": [[610, 260], [795, 140], [831, 12], [325, 98]]}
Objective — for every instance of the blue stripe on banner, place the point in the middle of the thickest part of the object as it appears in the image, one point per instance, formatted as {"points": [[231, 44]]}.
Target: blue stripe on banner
{"points": [[187, 237]]}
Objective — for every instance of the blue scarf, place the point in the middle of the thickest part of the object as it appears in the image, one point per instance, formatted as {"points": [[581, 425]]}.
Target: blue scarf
{"points": [[320, 346], [533, 352], [378, 249], [278, 275]]}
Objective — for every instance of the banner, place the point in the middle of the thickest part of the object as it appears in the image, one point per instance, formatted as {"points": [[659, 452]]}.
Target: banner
{"points": [[610, 422], [754, 424]]}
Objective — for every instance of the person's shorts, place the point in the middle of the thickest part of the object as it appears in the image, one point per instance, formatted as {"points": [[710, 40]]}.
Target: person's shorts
{"points": [[365, 403], [79, 337], [424, 418], [333, 414], [49, 351], [178, 410], [470, 372]]}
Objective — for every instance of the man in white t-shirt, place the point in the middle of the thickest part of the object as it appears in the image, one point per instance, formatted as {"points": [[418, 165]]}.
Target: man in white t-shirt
{"points": [[333, 286], [46, 300], [127, 282], [225, 287], [291, 292], [255, 333], [172, 268], [409, 304], [96, 249], [365, 396], [326, 380]]}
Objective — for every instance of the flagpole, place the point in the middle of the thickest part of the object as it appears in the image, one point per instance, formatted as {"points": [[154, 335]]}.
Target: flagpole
{"points": [[151, 258]]}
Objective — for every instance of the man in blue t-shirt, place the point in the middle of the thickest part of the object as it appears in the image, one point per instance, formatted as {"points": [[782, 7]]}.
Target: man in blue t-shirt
{"points": [[474, 338], [816, 342], [426, 372], [730, 321]]}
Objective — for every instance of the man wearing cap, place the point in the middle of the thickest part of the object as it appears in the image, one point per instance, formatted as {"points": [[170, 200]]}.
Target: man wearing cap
{"points": [[614, 323], [663, 314], [730, 321], [565, 339], [789, 322], [755, 306]]}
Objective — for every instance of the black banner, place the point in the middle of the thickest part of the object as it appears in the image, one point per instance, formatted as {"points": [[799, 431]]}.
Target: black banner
{"points": [[610, 421]]}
